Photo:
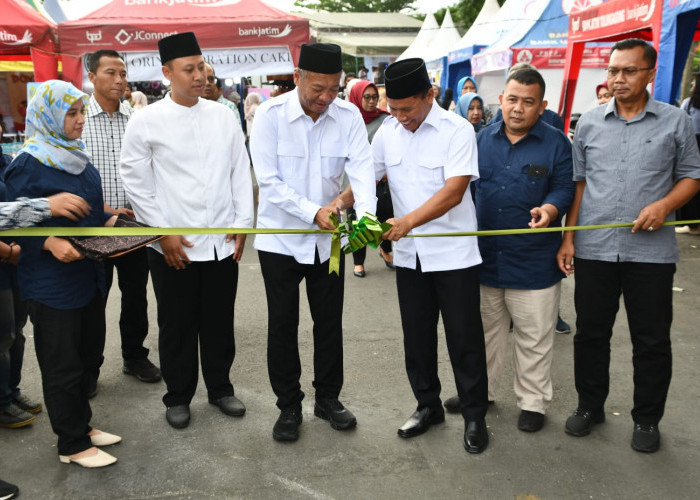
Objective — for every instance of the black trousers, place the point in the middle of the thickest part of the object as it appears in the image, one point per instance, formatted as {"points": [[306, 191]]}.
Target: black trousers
{"points": [[69, 345], [195, 312], [647, 293], [13, 317], [132, 277], [282, 275], [385, 210], [423, 296]]}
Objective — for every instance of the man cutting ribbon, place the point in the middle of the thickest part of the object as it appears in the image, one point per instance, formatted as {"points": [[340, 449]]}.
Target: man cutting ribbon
{"points": [[315, 137]]}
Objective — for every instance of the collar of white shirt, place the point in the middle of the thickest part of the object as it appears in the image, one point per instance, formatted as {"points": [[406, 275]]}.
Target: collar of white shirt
{"points": [[95, 109], [294, 110]]}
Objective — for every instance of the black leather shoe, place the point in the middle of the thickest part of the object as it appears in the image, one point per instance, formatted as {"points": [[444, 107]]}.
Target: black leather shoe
{"points": [[333, 410], [230, 405], [476, 436], [646, 438], [287, 426], [530, 421], [7, 490], [421, 421], [142, 369], [178, 416], [452, 404], [581, 422]]}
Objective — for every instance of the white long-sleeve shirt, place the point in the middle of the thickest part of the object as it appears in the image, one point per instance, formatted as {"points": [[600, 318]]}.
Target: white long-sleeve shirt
{"points": [[299, 166], [188, 167], [417, 164]]}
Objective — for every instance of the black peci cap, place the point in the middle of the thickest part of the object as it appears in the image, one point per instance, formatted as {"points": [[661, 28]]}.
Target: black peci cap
{"points": [[178, 45], [323, 58], [406, 78]]}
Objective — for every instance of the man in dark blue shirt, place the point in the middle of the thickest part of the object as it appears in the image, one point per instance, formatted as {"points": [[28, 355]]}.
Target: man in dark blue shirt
{"points": [[525, 171]]}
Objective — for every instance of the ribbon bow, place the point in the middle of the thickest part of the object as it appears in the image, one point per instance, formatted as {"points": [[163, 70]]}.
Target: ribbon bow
{"points": [[366, 231]]}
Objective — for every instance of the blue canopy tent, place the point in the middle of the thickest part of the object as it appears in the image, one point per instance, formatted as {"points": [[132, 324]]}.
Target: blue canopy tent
{"points": [[679, 27], [482, 33]]}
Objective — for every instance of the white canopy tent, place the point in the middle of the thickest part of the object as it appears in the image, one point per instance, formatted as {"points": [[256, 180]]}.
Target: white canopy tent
{"points": [[420, 47], [481, 33], [441, 45]]}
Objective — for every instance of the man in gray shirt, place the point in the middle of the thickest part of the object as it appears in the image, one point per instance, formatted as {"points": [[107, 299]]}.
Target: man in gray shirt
{"points": [[635, 159]]}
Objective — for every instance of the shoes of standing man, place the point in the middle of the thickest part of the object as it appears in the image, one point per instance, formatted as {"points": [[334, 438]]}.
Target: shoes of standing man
{"points": [[142, 369], [287, 426], [14, 417], [562, 326], [229, 405], [530, 421], [581, 422], [100, 459], [178, 416], [101, 438], [333, 410], [26, 404], [420, 421], [476, 436], [7, 490], [646, 438], [452, 404]]}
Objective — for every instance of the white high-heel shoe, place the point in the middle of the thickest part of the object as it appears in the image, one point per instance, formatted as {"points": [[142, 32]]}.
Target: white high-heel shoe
{"points": [[100, 459], [103, 438]]}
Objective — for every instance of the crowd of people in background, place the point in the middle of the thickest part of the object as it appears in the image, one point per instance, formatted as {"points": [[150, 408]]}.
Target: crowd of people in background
{"points": [[395, 150]]}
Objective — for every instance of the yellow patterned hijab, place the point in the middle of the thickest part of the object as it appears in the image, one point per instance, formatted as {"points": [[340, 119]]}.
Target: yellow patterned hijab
{"points": [[47, 141]]}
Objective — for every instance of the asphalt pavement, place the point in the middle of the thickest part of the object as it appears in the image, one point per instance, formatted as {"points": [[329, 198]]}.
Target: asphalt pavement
{"points": [[225, 457]]}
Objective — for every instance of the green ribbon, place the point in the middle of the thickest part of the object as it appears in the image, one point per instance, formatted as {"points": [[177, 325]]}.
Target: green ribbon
{"points": [[366, 231]]}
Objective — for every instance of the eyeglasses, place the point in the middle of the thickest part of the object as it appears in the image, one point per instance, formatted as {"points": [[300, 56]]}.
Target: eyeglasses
{"points": [[212, 79], [370, 97], [631, 71]]}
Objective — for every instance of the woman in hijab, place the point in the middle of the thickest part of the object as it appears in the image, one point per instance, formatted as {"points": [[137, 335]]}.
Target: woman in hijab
{"points": [[64, 293], [471, 108], [602, 93], [138, 100], [252, 101], [464, 85], [365, 95]]}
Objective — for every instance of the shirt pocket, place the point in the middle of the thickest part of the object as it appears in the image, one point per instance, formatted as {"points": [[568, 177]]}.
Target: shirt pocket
{"points": [[534, 188], [333, 157], [431, 171], [289, 159], [655, 152]]}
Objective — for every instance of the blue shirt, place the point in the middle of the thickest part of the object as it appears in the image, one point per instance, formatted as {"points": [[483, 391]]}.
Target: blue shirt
{"points": [[628, 164], [41, 276], [513, 179]]}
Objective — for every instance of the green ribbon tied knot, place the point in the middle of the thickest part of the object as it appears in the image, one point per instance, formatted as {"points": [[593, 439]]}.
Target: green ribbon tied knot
{"points": [[366, 231]]}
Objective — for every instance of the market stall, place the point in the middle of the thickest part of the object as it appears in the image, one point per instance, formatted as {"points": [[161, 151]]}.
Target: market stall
{"points": [[540, 41], [483, 32], [27, 45], [679, 27], [244, 38], [607, 22]]}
